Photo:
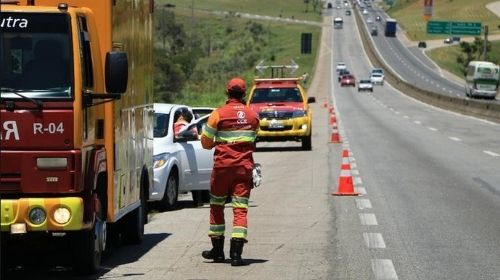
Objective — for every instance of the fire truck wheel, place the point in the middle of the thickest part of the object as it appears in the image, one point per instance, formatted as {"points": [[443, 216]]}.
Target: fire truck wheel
{"points": [[88, 248], [133, 226]]}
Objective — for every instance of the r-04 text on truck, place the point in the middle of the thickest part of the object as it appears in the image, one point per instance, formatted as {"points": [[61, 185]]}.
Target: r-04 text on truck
{"points": [[76, 127]]}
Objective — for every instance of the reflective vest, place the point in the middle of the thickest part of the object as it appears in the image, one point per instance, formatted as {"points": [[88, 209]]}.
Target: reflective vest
{"points": [[234, 129]]}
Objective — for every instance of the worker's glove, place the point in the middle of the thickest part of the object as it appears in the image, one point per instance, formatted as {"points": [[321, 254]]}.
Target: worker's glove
{"points": [[256, 175]]}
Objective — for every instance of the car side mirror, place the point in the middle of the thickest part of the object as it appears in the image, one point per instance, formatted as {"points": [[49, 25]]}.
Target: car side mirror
{"points": [[311, 99], [116, 72], [187, 135]]}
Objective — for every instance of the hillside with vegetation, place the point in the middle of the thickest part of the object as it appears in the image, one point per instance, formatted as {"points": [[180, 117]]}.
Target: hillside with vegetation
{"points": [[198, 49], [409, 14]]}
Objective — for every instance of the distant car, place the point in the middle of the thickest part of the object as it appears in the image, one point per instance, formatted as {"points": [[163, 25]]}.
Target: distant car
{"points": [[348, 13], [422, 44], [365, 12], [348, 80], [378, 18], [374, 30], [377, 78], [369, 20], [342, 72], [365, 84], [329, 6], [340, 65], [448, 40], [455, 39], [377, 70]]}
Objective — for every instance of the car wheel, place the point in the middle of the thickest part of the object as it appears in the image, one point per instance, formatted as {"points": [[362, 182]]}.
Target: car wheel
{"points": [[307, 143], [169, 200]]}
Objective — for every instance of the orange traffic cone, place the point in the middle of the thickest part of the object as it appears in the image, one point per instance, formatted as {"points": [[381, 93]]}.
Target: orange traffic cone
{"points": [[335, 138], [345, 187], [345, 161], [333, 119]]}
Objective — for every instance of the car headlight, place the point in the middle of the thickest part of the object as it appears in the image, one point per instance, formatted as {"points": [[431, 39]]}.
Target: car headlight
{"points": [[160, 160], [299, 113]]}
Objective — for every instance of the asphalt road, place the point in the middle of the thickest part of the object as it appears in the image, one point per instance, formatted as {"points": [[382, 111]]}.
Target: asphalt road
{"points": [[430, 189]]}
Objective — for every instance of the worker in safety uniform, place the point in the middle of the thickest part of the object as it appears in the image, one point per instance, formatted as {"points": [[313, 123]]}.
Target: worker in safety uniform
{"points": [[231, 130]]}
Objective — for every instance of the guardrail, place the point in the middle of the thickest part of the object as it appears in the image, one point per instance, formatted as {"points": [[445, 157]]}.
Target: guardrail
{"points": [[477, 108]]}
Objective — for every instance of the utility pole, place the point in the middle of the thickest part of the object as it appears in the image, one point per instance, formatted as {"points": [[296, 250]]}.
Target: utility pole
{"points": [[485, 44]]}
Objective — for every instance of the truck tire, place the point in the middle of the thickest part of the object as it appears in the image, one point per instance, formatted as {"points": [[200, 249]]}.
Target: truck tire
{"points": [[88, 249], [307, 143], [169, 200], [133, 226]]}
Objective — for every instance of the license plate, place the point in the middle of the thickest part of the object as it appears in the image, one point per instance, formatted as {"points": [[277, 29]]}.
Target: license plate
{"points": [[276, 124]]}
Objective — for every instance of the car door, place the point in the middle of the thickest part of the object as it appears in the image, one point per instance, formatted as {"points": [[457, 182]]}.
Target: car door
{"points": [[199, 160]]}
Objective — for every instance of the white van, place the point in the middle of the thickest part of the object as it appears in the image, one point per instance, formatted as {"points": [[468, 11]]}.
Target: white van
{"points": [[482, 79], [338, 23]]}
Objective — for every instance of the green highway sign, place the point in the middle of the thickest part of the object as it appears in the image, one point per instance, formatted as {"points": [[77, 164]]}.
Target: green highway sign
{"points": [[453, 28]]}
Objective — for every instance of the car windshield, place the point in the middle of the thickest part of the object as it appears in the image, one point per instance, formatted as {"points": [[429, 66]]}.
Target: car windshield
{"points": [[365, 82], [161, 121], [35, 51], [377, 75], [267, 95]]}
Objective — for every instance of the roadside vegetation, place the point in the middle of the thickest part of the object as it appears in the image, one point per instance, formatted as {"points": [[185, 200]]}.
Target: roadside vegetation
{"points": [[409, 14], [454, 58], [198, 50]]}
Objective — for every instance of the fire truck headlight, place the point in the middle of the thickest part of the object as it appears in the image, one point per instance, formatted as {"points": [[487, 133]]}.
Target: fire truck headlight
{"points": [[62, 215], [37, 215], [51, 163]]}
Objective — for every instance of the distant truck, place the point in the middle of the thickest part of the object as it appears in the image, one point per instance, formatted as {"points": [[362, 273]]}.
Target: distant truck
{"points": [[390, 27], [76, 128]]}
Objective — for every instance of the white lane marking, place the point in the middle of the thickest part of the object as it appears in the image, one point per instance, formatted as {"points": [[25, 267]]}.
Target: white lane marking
{"points": [[363, 203], [456, 139], [493, 154], [368, 219], [432, 128], [354, 165], [417, 122], [354, 172], [406, 117], [360, 190], [357, 181], [384, 269], [374, 240]]}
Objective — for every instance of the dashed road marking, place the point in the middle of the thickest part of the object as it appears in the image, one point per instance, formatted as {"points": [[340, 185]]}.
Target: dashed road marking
{"points": [[363, 203], [493, 154], [360, 190], [384, 269], [432, 128], [456, 139], [374, 240], [368, 219]]}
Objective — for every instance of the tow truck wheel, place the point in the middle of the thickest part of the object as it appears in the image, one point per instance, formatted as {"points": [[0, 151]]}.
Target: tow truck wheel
{"points": [[306, 143]]}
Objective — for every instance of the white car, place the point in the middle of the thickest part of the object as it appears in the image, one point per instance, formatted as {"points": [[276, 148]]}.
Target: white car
{"points": [[365, 84], [365, 12], [341, 66], [181, 164], [377, 78]]}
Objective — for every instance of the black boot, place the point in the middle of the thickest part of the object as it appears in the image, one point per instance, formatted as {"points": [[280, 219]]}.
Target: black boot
{"points": [[217, 252], [236, 250]]}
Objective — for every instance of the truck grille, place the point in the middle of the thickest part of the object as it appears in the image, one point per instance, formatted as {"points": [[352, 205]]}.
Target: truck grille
{"points": [[278, 115]]}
